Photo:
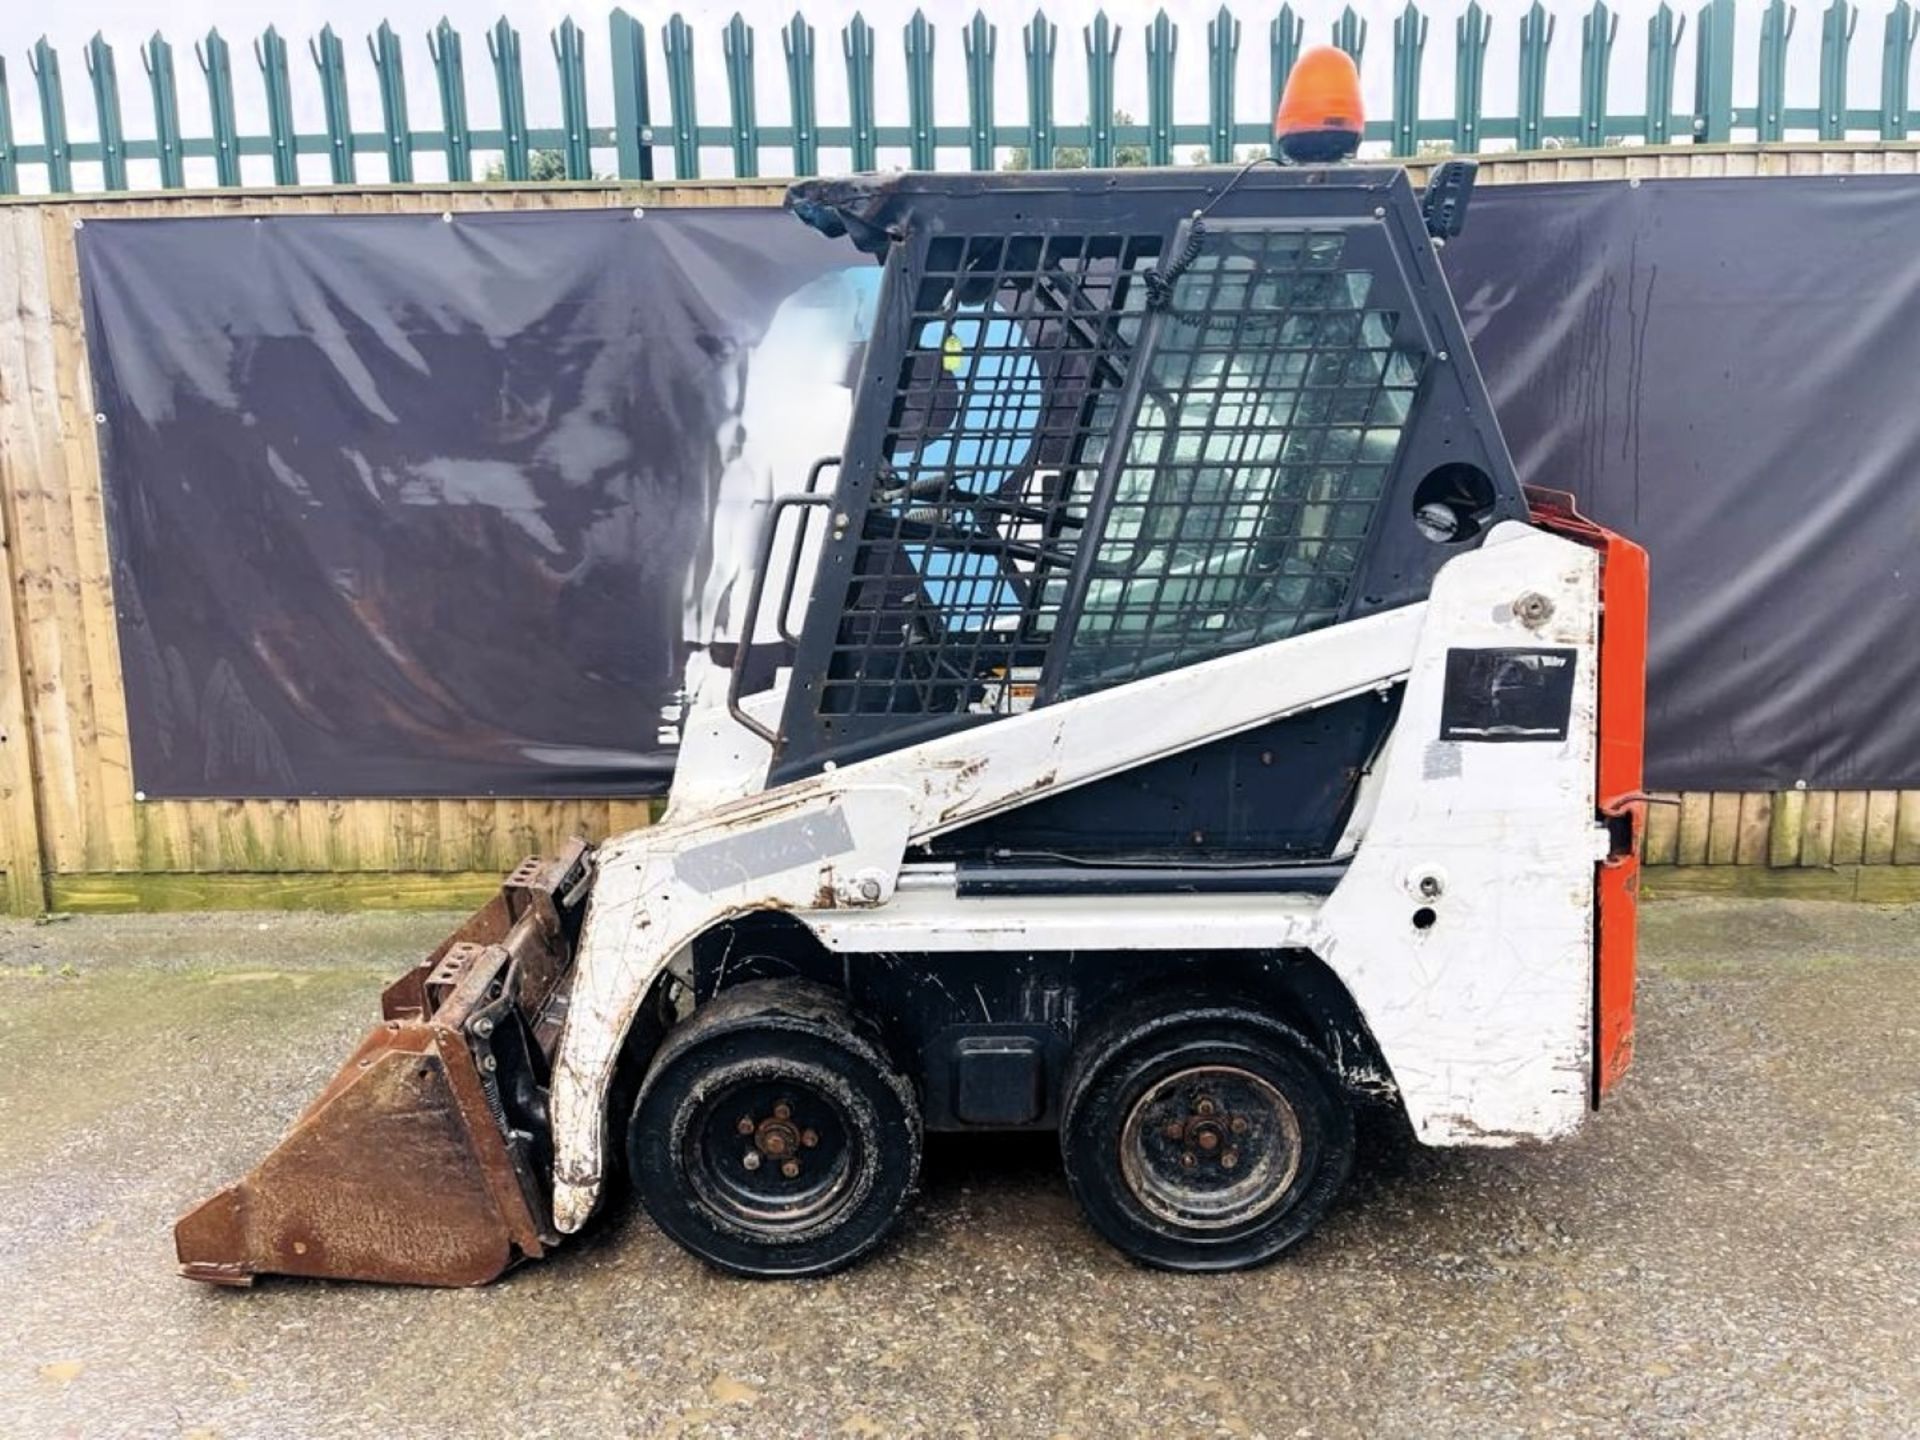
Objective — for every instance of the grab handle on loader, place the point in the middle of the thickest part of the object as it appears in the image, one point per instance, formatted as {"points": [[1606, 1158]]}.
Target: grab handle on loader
{"points": [[758, 590], [799, 549]]}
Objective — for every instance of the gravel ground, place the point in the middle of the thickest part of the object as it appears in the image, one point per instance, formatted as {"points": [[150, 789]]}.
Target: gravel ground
{"points": [[1733, 1248]]}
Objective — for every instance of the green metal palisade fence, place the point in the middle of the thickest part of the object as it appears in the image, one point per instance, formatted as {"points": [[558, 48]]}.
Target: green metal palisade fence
{"points": [[645, 141]]}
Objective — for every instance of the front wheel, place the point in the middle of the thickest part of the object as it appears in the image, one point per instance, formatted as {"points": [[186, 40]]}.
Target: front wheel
{"points": [[1208, 1137], [771, 1136]]}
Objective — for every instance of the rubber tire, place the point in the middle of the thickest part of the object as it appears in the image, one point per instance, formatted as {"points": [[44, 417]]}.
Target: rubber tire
{"points": [[781, 1027], [1119, 1060]]}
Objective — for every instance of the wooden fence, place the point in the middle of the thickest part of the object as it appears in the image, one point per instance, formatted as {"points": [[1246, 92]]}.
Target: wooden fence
{"points": [[75, 835]]}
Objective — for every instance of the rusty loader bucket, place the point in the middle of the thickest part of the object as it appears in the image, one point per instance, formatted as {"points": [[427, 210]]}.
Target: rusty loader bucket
{"points": [[426, 1160]]}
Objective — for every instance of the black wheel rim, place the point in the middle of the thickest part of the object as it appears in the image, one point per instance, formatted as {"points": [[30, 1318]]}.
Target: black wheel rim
{"points": [[771, 1155], [1211, 1147]]}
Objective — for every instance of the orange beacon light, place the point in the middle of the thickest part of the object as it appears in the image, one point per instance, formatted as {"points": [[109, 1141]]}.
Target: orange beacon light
{"points": [[1320, 119]]}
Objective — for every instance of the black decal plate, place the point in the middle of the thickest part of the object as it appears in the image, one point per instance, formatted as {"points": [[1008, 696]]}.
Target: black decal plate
{"points": [[1507, 695]]}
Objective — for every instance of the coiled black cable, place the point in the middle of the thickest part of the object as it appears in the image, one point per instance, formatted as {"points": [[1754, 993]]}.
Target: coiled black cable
{"points": [[1160, 280]]}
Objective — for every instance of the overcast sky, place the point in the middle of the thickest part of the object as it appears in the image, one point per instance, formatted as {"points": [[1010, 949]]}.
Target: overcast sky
{"points": [[127, 22]]}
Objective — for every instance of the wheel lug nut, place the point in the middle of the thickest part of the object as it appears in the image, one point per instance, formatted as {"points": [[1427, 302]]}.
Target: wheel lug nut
{"points": [[1175, 1130], [1188, 1159], [790, 1169], [809, 1138], [751, 1159], [783, 1111], [1203, 1106], [744, 1125], [1238, 1125], [1230, 1159]]}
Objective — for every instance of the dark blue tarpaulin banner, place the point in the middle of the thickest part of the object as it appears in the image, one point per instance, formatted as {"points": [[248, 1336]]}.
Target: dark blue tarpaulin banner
{"points": [[401, 506]]}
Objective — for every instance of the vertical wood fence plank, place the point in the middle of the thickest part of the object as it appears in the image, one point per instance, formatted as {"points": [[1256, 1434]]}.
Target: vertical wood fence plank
{"points": [[241, 846], [1662, 839], [205, 853], [152, 840], [1883, 813], [177, 820], [1723, 827], [1906, 833], [415, 843], [450, 834], [1849, 826], [20, 838], [1816, 834], [103, 700], [1696, 816], [42, 527], [1789, 820], [1756, 821], [496, 822], [625, 815]]}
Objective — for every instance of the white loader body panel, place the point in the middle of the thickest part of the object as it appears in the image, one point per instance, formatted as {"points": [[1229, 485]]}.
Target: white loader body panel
{"points": [[1463, 927]]}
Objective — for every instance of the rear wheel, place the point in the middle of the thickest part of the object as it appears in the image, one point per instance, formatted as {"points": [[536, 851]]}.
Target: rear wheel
{"points": [[1203, 1137], [771, 1136]]}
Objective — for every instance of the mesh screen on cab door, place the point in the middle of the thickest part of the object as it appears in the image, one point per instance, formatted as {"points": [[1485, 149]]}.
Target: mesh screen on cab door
{"points": [[1271, 415], [1266, 413]]}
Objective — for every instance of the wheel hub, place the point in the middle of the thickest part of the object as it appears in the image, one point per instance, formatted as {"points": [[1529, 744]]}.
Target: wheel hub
{"points": [[771, 1155], [778, 1138], [1210, 1147]]}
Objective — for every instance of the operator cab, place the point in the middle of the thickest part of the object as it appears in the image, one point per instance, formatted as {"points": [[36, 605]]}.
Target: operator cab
{"points": [[1110, 424]]}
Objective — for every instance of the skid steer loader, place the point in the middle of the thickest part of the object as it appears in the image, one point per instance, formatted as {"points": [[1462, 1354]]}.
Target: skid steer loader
{"points": [[1189, 731]]}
